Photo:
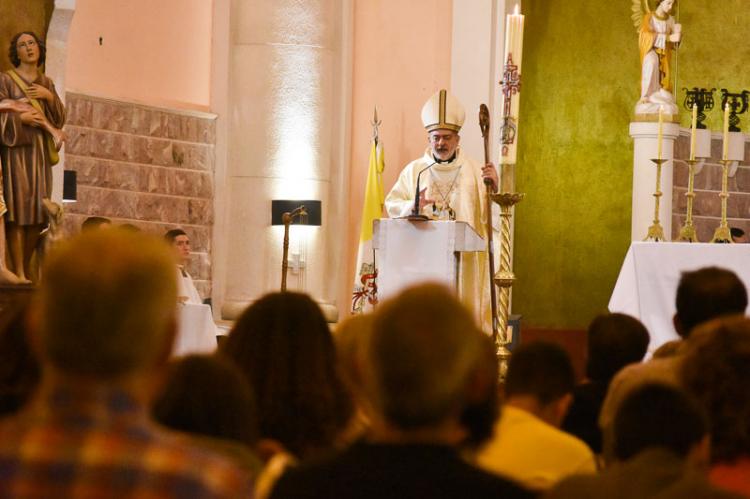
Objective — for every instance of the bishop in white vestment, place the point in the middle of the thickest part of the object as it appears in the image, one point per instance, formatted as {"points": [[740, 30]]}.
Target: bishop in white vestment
{"points": [[452, 189]]}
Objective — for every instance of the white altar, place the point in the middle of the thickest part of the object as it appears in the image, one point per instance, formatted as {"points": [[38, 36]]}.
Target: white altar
{"points": [[647, 284]]}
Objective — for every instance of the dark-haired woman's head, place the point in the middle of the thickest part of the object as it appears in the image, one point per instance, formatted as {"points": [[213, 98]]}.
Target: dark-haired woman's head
{"points": [[209, 396], [614, 341], [283, 345], [714, 369]]}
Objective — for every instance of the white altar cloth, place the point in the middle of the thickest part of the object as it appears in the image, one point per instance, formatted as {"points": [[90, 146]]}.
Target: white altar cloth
{"points": [[196, 330], [647, 284]]}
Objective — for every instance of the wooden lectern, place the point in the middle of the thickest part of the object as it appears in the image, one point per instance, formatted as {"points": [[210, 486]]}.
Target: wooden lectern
{"points": [[410, 252]]}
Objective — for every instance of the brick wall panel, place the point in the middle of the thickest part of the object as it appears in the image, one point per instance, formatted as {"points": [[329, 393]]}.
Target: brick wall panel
{"points": [[145, 166]]}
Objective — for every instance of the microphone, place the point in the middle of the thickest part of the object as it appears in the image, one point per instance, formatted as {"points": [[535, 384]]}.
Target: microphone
{"points": [[415, 211]]}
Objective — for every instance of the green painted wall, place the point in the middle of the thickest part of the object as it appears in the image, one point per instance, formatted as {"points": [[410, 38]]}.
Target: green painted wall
{"points": [[715, 52], [581, 77]]}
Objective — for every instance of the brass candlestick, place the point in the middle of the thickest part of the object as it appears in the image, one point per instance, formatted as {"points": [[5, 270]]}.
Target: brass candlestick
{"points": [[722, 233], [687, 231], [288, 218], [656, 231], [504, 277]]}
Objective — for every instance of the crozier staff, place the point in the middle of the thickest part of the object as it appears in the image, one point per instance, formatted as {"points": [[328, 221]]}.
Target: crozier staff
{"points": [[452, 188]]}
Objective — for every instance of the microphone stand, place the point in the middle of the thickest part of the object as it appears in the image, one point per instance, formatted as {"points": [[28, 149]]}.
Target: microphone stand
{"points": [[484, 125], [415, 215], [287, 218]]}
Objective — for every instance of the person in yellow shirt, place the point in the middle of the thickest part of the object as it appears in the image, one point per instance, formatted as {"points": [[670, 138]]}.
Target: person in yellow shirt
{"points": [[528, 445]]}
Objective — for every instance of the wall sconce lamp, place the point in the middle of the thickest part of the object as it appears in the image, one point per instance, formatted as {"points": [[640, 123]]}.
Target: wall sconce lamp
{"points": [[288, 212], [70, 184], [281, 206]]}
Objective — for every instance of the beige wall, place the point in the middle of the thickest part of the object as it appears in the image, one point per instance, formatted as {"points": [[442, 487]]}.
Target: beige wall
{"points": [[283, 122], [152, 52], [399, 61]]}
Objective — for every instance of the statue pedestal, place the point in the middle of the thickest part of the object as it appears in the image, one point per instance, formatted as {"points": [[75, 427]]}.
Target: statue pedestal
{"points": [[644, 177], [10, 294]]}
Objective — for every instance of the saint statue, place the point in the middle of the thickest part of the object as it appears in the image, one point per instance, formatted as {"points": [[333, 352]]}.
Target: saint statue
{"points": [[658, 37], [31, 119]]}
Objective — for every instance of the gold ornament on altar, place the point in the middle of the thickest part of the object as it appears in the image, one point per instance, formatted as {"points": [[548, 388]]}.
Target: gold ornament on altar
{"points": [[687, 231], [723, 234], [656, 231]]}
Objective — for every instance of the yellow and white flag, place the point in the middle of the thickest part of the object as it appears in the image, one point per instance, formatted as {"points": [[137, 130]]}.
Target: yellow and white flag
{"points": [[365, 294]]}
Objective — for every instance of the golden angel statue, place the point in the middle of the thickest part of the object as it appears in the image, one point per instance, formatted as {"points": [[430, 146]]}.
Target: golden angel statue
{"points": [[658, 37]]}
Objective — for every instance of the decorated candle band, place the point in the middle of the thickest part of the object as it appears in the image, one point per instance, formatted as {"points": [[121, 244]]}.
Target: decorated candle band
{"points": [[693, 127], [511, 87], [725, 140], [660, 134], [510, 91]]}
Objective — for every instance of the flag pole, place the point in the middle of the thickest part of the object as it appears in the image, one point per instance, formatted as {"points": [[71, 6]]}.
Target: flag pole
{"points": [[365, 290], [375, 126]]}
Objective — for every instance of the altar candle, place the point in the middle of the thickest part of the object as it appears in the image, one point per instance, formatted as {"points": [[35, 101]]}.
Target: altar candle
{"points": [[659, 135], [513, 54], [693, 126], [725, 152]]}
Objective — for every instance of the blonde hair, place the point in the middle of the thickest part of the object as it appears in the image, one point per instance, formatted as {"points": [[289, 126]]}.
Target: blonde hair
{"points": [[107, 303]]}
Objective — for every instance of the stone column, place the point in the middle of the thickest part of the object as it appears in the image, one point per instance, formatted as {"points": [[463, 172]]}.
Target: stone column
{"points": [[644, 177], [286, 92], [57, 57]]}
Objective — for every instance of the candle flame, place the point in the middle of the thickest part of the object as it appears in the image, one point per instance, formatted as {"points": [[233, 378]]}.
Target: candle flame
{"points": [[516, 10]]}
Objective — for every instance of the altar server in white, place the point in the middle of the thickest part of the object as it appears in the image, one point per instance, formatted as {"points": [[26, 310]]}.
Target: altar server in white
{"points": [[186, 291], [451, 189]]}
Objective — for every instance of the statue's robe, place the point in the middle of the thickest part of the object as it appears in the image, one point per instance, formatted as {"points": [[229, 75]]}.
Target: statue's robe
{"points": [[26, 161]]}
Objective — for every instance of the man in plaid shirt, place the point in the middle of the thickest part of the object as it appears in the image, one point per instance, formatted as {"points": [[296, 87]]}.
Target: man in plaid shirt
{"points": [[103, 329]]}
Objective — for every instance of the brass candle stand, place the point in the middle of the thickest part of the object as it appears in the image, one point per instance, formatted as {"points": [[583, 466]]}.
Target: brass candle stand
{"points": [[723, 233], [687, 231], [287, 218], [504, 277], [656, 231]]}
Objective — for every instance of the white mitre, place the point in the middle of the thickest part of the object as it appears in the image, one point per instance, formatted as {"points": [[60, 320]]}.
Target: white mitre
{"points": [[443, 111]]}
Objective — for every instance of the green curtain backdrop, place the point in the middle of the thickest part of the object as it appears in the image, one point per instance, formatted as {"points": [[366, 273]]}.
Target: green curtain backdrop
{"points": [[580, 83]]}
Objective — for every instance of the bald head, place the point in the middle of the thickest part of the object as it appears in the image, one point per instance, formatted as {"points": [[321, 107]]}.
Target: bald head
{"points": [[107, 304]]}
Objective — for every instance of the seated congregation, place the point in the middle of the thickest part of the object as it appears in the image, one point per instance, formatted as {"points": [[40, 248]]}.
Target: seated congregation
{"points": [[403, 402]]}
